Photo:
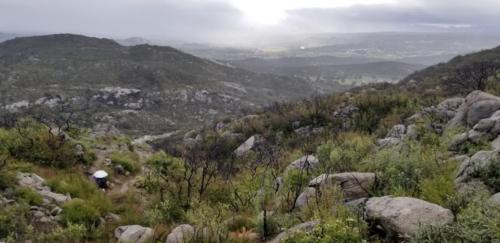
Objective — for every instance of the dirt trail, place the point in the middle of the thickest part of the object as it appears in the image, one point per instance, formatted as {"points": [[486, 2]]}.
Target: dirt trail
{"points": [[122, 184]]}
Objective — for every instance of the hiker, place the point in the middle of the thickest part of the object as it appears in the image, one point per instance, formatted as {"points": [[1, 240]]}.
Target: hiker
{"points": [[101, 178]]}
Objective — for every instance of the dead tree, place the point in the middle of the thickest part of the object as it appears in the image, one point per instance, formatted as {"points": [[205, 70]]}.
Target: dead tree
{"points": [[472, 77]]}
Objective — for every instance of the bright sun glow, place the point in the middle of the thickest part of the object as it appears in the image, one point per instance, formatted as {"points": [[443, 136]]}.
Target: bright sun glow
{"points": [[271, 12]]}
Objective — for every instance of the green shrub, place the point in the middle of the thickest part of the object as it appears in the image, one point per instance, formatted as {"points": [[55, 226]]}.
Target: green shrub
{"points": [[72, 233], [475, 223], [128, 160], [239, 222], [81, 187], [333, 230], [78, 211], [273, 226], [36, 143], [344, 154], [167, 212], [29, 196], [13, 221], [490, 175], [439, 189]]}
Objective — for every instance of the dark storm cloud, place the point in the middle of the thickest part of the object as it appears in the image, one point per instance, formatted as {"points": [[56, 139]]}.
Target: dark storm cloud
{"points": [[173, 19], [420, 15]]}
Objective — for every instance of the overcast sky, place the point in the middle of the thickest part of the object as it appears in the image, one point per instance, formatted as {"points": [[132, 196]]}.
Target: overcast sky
{"points": [[240, 20]]}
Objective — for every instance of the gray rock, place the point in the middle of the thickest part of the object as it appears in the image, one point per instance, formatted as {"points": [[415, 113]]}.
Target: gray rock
{"points": [[250, 144], [472, 189], [449, 107], [479, 161], [79, 151], [398, 131], [183, 233], [403, 216], [304, 163], [476, 136], [388, 142], [411, 132], [133, 233], [113, 217], [495, 144], [29, 180], [55, 197], [119, 170], [478, 105], [457, 141], [304, 227], [303, 131], [306, 197], [56, 211], [494, 201], [354, 185]]}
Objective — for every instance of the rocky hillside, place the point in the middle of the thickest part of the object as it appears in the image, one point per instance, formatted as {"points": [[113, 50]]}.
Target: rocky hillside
{"points": [[461, 75], [332, 74], [382, 163], [139, 89]]}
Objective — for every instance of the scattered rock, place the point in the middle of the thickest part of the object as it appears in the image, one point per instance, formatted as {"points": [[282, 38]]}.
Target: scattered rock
{"points": [[495, 144], [133, 233], [403, 216], [398, 131], [304, 163], [183, 233], [494, 200], [249, 145], [457, 141], [354, 185], [388, 142], [111, 217], [308, 195], [478, 105], [36, 183], [119, 170], [449, 107], [479, 161], [56, 211], [79, 151], [304, 227]]}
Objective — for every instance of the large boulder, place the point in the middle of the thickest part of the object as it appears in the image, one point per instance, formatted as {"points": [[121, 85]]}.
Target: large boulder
{"points": [[249, 145], [354, 185], [36, 183], [403, 216], [449, 107], [306, 197], [478, 105], [183, 233], [304, 163], [394, 137], [304, 227], [494, 201], [397, 131], [479, 161], [133, 233]]}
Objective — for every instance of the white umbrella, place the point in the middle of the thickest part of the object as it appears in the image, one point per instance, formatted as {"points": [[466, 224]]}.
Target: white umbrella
{"points": [[100, 174]]}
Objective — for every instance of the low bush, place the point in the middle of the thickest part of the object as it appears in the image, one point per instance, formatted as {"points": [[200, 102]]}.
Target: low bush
{"points": [[81, 187], [475, 223], [13, 221], [128, 160], [77, 211], [166, 212], [29, 196]]}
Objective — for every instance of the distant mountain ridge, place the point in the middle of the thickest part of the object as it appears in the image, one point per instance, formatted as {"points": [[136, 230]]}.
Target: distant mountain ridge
{"points": [[138, 88]]}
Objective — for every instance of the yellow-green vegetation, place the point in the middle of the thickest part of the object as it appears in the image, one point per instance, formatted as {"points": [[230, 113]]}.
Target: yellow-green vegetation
{"points": [[253, 197], [127, 159]]}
